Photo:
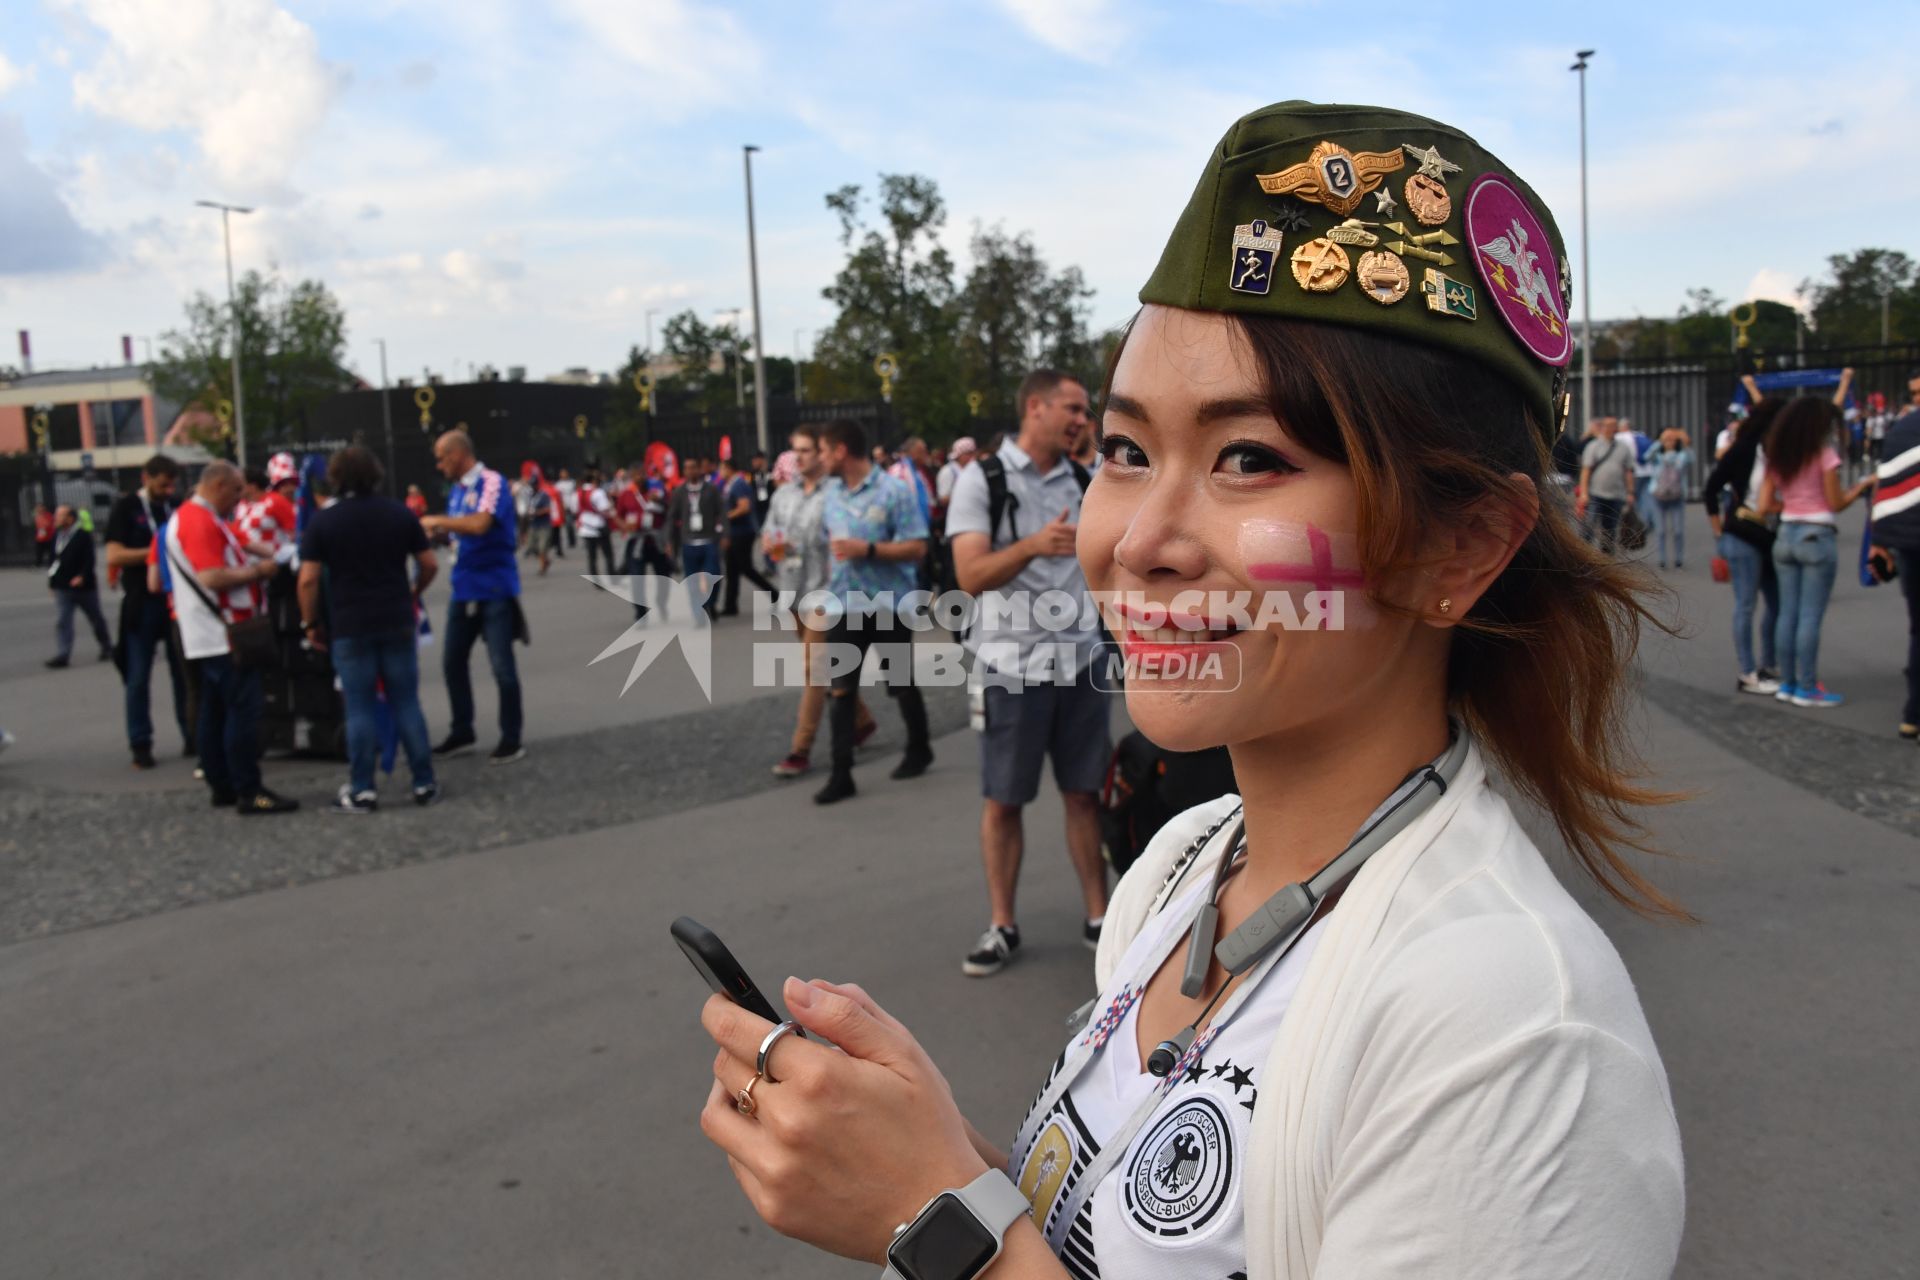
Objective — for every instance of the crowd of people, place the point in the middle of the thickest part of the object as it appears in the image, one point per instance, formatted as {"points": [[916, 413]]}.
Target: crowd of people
{"points": [[838, 514], [1778, 480]]}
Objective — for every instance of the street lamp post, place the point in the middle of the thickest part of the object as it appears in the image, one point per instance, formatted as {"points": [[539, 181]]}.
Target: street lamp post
{"points": [[1586, 261], [386, 417], [233, 311], [753, 283], [799, 382]]}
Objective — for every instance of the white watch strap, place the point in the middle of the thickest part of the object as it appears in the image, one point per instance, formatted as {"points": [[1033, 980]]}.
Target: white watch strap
{"points": [[991, 1197]]}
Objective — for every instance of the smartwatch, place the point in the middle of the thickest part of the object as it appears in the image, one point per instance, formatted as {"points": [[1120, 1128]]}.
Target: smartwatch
{"points": [[958, 1234], [873, 549]]}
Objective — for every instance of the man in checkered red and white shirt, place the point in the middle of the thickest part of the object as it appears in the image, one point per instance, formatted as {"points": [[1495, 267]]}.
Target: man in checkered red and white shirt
{"points": [[266, 518]]}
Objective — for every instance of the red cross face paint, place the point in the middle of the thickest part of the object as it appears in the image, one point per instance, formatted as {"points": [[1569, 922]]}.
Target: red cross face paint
{"points": [[1303, 572]]}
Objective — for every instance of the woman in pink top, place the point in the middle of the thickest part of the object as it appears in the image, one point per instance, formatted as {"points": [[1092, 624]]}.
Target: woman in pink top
{"points": [[1802, 484]]}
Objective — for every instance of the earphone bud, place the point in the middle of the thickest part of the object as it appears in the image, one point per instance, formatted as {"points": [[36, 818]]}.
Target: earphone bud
{"points": [[1167, 1054]]}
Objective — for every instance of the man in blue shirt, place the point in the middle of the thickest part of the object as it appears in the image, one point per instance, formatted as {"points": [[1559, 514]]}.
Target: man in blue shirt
{"points": [[743, 526], [1896, 527], [876, 536], [486, 593]]}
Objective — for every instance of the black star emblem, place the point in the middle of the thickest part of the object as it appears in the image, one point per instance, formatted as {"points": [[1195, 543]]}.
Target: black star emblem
{"points": [[1287, 214], [1241, 1078], [1193, 1073], [1248, 1104], [1220, 1069]]}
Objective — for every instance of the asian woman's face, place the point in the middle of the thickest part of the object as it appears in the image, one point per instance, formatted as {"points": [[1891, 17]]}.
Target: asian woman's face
{"points": [[1208, 513]]}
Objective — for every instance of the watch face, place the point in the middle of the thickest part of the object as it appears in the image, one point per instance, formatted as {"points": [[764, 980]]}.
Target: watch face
{"points": [[946, 1242]]}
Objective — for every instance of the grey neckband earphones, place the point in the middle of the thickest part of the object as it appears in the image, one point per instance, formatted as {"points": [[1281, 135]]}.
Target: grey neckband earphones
{"points": [[1281, 919]]}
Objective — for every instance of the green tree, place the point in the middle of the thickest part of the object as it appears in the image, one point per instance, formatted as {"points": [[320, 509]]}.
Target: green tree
{"points": [[293, 339], [1846, 306], [1014, 314], [895, 295]]}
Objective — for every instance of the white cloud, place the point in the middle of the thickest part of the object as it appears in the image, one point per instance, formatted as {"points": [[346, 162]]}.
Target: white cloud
{"points": [[42, 235], [1087, 29], [691, 52], [243, 77], [1773, 285], [10, 75]]}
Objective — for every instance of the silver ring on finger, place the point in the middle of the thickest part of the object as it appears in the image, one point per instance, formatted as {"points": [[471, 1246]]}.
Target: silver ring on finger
{"points": [[766, 1048]]}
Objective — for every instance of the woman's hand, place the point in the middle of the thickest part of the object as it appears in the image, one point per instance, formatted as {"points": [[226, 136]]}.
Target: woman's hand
{"points": [[842, 1146]]}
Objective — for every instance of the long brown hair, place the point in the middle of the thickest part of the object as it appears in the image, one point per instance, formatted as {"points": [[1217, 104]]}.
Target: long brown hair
{"points": [[1801, 430], [1539, 668]]}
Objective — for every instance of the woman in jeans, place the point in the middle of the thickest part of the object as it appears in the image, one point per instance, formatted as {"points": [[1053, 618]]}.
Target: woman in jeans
{"points": [[1803, 484], [1671, 465], [1734, 480]]}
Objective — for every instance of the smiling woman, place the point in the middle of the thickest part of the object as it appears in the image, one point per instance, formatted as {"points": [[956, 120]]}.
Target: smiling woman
{"points": [[1348, 1022]]}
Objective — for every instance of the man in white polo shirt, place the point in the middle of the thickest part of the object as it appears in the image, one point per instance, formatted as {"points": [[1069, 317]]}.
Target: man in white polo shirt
{"points": [[1011, 524]]}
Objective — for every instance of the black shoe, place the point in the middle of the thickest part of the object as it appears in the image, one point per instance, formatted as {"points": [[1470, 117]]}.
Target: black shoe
{"points": [[224, 799], [455, 744], [143, 756], [351, 801], [911, 765], [990, 954], [507, 753], [429, 794], [265, 801], [1090, 933], [56, 663], [839, 787]]}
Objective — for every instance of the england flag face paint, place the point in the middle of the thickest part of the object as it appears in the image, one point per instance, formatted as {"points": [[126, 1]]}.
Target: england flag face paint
{"points": [[1303, 559]]}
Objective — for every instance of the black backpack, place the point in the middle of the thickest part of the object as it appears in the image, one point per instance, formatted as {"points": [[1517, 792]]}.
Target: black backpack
{"points": [[1146, 786], [1002, 504]]}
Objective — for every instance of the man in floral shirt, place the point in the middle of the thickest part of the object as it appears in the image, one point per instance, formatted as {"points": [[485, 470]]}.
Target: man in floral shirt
{"points": [[876, 535]]}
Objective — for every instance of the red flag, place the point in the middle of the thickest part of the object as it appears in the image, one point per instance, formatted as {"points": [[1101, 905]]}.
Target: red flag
{"points": [[126, 348]]}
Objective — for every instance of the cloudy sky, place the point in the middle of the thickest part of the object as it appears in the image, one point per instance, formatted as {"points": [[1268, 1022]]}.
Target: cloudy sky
{"points": [[515, 183]]}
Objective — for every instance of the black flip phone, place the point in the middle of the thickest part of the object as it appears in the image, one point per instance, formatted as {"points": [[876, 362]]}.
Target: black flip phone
{"points": [[717, 965]]}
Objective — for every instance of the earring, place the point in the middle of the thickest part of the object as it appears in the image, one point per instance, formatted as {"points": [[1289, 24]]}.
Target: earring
{"points": [[1446, 605]]}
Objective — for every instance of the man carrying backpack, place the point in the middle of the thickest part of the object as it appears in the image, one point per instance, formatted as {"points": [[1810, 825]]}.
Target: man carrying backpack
{"points": [[1011, 526]]}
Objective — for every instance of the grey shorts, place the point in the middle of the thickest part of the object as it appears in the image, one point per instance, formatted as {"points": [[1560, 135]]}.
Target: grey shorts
{"points": [[1028, 724]]}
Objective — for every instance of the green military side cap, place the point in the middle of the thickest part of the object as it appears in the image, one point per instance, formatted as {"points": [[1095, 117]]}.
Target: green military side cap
{"points": [[1386, 221]]}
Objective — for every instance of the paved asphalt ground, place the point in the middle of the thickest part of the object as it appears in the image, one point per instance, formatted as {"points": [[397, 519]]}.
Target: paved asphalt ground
{"points": [[458, 1043]]}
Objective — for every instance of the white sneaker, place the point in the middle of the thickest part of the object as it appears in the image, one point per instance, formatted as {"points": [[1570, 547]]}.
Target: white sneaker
{"points": [[1755, 683]]}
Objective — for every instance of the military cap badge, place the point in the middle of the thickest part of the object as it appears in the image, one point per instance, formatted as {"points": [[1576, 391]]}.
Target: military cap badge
{"points": [[1333, 176]]}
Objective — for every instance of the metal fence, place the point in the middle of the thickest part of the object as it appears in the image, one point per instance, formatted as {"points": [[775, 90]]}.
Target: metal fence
{"points": [[558, 425], [1695, 394]]}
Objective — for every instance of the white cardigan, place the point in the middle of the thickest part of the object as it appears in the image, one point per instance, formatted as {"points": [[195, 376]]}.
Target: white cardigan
{"points": [[1464, 1085]]}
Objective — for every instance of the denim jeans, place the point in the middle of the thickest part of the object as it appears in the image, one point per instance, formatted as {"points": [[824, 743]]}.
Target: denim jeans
{"points": [[229, 734], [1751, 582], [702, 557], [1807, 559], [366, 666], [144, 634], [491, 620], [87, 601], [1671, 517], [1909, 562]]}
